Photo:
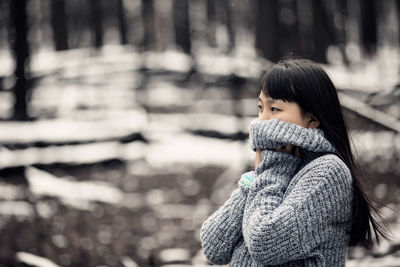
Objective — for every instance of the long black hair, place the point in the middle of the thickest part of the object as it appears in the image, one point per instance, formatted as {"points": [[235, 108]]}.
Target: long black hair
{"points": [[304, 82]]}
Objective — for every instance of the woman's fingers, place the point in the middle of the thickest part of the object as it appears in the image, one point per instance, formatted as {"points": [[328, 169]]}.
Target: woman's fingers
{"points": [[258, 158]]}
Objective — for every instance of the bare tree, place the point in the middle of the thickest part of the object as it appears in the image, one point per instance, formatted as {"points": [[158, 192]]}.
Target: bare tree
{"points": [[122, 22], [398, 17], [59, 24], [220, 12], [96, 22], [229, 24], [149, 32], [182, 25], [267, 29], [369, 26], [289, 37], [340, 13], [322, 31], [211, 23], [19, 43]]}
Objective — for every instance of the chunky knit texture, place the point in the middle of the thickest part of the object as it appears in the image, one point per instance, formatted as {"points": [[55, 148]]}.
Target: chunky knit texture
{"points": [[296, 212]]}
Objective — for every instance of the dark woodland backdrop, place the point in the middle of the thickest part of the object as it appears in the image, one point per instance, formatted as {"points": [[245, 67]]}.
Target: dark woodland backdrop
{"points": [[124, 123]]}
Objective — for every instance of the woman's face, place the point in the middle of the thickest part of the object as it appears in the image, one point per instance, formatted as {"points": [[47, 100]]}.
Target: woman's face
{"points": [[286, 111]]}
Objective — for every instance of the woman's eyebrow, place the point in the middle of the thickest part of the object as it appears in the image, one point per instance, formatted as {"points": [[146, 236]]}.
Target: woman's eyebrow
{"points": [[268, 101]]}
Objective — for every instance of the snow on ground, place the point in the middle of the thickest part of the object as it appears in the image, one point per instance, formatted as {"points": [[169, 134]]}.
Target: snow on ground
{"points": [[378, 74], [34, 260], [97, 88], [64, 131], [223, 124], [369, 150], [389, 261], [381, 73], [71, 154], [10, 192], [74, 193], [174, 149], [170, 143], [16, 208]]}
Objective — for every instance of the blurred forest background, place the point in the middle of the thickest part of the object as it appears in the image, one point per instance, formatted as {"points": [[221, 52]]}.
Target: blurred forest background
{"points": [[124, 124]]}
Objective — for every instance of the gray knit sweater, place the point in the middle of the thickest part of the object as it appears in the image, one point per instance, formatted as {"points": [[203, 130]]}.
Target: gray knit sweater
{"points": [[295, 211]]}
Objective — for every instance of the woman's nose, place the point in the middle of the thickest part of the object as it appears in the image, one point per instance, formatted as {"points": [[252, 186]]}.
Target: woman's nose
{"points": [[263, 116]]}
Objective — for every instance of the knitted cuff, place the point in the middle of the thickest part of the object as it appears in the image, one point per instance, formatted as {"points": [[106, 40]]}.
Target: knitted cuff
{"points": [[246, 179], [270, 134]]}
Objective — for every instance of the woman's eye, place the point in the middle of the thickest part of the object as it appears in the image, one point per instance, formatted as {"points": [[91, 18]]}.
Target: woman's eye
{"points": [[274, 109], [259, 107]]}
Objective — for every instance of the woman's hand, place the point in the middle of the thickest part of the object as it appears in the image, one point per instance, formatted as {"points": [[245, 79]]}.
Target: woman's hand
{"points": [[289, 148], [258, 157]]}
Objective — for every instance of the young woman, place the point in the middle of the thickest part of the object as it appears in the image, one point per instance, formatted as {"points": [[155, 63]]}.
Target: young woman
{"points": [[304, 204]]}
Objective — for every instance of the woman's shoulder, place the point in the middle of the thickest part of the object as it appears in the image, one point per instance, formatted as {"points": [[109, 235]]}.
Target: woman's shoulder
{"points": [[328, 165], [326, 172]]}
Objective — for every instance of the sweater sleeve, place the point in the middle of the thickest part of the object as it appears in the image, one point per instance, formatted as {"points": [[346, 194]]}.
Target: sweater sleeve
{"points": [[221, 231], [279, 228]]}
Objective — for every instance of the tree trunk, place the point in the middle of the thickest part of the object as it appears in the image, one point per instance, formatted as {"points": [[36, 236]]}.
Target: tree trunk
{"points": [[306, 18], [322, 32], [96, 17], [182, 25], [149, 32], [19, 42], [59, 25], [368, 26], [398, 18], [211, 23], [229, 24], [122, 22], [341, 39], [289, 25], [268, 29]]}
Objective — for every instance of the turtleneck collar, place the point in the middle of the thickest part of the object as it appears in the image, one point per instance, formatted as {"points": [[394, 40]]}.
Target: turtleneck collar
{"points": [[270, 134]]}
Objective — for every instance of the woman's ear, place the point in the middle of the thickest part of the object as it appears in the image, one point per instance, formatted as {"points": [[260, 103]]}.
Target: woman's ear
{"points": [[313, 122]]}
